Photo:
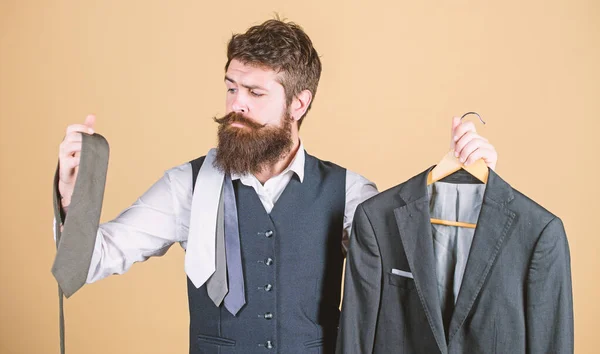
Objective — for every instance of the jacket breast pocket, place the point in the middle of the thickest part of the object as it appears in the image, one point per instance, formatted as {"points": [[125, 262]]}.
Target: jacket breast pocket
{"points": [[401, 281], [322, 345], [317, 343]]}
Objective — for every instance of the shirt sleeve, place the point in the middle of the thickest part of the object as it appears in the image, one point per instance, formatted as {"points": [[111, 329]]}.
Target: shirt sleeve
{"points": [[145, 229], [358, 189]]}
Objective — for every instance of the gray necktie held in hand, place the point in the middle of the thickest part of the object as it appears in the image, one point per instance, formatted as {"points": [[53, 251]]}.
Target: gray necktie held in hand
{"points": [[75, 244]]}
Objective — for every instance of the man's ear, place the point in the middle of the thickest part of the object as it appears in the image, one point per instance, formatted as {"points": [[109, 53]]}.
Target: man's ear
{"points": [[300, 104]]}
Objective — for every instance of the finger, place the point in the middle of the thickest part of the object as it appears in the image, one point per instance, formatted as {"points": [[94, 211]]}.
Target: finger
{"points": [[489, 156], [463, 128], [455, 123], [70, 163], [69, 149], [74, 136], [90, 121], [464, 141], [68, 169], [469, 148], [81, 128]]}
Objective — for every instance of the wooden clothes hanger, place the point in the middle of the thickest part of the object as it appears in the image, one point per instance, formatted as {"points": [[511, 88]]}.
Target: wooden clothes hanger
{"points": [[451, 164]]}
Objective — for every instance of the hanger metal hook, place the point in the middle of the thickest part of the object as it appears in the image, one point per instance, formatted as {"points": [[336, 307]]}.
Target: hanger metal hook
{"points": [[475, 113]]}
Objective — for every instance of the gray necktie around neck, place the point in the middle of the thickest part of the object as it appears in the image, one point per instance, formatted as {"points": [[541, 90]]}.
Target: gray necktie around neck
{"points": [[75, 244], [216, 285], [236, 297], [227, 281]]}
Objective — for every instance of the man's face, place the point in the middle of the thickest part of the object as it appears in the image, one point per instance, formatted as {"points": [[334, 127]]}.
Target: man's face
{"points": [[256, 132], [255, 93]]}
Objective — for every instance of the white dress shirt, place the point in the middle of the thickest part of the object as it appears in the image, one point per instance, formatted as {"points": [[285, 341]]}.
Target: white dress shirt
{"points": [[161, 216]]}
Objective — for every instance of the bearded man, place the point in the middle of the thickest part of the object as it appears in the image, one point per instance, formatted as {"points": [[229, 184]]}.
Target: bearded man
{"points": [[263, 222]]}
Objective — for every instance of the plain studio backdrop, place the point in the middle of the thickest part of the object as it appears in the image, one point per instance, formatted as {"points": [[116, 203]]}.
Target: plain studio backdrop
{"points": [[394, 74]]}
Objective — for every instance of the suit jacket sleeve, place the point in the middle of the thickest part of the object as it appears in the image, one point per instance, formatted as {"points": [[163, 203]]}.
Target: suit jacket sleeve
{"points": [[549, 294], [362, 289]]}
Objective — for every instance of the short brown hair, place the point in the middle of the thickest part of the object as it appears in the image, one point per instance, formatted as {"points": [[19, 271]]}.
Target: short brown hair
{"points": [[283, 47]]}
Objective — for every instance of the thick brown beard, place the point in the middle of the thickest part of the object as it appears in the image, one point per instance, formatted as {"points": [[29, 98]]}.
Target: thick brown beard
{"points": [[252, 148]]}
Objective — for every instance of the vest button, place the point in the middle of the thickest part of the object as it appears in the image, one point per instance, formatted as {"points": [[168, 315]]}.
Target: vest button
{"points": [[268, 316], [269, 233], [269, 345], [268, 287], [269, 261]]}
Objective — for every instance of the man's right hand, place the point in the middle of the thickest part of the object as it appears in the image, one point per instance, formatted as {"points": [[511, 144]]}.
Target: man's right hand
{"points": [[68, 157]]}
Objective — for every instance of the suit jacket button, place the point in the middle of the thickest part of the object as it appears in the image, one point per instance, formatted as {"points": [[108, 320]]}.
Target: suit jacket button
{"points": [[268, 287], [268, 316], [269, 344], [269, 261], [269, 233]]}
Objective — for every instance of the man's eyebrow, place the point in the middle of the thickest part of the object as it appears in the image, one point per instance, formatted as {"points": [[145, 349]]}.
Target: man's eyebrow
{"points": [[249, 87]]}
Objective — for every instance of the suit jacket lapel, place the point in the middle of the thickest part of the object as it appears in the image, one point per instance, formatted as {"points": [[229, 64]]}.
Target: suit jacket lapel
{"points": [[493, 228], [415, 232]]}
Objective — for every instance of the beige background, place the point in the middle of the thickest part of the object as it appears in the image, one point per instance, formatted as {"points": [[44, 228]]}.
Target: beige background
{"points": [[394, 74]]}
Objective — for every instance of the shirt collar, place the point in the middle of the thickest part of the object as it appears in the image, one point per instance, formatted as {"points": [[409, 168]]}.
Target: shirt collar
{"points": [[296, 166]]}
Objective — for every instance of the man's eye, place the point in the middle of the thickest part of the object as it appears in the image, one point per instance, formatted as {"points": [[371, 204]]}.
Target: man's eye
{"points": [[255, 94], [231, 90]]}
